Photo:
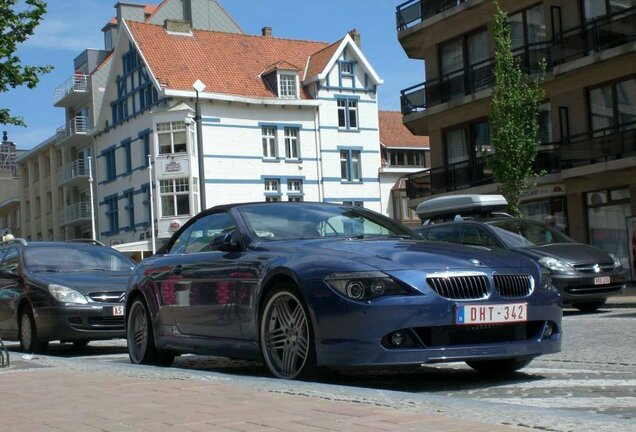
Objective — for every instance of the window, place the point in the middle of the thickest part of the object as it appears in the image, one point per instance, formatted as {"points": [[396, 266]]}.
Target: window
{"points": [[206, 234], [477, 236], [446, 233], [112, 213], [272, 199], [126, 146], [272, 190], [463, 65], [294, 190], [291, 143], [49, 203], [175, 197], [527, 30], [354, 203], [269, 142], [467, 142], [130, 208], [407, 158], [47, 167], [346, 74], [145, 148], [287, 85], [36, 171], [145, 191], [172, 137], [612, 106], [350, 165], [606, 214], [110, 164], [347, 113], [595, 9]]}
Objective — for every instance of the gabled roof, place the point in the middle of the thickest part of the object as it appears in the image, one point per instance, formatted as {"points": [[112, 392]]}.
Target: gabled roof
{"points": [[393, 133], [227, 63], [319, 60], [280, 65]]}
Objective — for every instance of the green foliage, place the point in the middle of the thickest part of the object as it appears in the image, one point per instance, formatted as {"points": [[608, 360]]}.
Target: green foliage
{"points": [[514, 117], [15, 28]]}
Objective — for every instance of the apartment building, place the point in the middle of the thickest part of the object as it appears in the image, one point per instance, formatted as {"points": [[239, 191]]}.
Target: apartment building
{"points": [[55, 193], [588, 120], [402, 153], [9, 188]]}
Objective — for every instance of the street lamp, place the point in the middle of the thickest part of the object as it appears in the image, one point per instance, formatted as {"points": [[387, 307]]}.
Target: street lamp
{"points": [[199, 87]]}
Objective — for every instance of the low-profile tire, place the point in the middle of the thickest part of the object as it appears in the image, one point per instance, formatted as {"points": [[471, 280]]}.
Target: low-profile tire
{"points": [[589, 307], [503, 366], [141, 342], [286, 335], [28, 333]]}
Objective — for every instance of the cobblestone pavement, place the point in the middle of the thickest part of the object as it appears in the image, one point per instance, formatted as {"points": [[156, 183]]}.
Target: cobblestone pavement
{"points": [[590, 386]]}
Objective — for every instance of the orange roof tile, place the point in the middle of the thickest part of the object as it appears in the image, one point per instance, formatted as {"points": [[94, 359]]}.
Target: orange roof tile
{"points": [[227, 63], [280, 65], [393, 133], [319, 60]]}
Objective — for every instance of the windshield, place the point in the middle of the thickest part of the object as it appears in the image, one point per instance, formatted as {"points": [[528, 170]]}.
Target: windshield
{"points": [[56, 259], [305, 221], [525, 233]]}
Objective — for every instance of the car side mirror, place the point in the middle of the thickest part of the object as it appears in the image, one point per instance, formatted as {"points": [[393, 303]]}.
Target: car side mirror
{"points": [[9, 274], [224, 242]]}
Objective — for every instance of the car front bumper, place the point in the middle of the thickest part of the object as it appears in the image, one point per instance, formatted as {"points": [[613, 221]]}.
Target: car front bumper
{"points": [[79, 322], [581, 288]]}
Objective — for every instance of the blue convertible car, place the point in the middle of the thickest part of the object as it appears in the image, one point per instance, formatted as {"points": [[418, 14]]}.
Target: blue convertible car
{"points": [[301, 285]]}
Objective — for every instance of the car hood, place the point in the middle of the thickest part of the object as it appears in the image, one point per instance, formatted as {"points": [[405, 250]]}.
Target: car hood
{"points": [[571, 253], [85, 282], [394, 254]]}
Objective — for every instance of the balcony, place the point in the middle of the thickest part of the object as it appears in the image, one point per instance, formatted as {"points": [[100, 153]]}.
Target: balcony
{"points": [[72, 92], [472, 173], [599, 146], [601, 34], [466, 81], [413, 12], [75, 214], [73, 173], [74, 133]]}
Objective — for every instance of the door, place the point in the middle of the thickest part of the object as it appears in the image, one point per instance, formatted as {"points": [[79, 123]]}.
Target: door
{"points": [[9, 293], [207, 291]]}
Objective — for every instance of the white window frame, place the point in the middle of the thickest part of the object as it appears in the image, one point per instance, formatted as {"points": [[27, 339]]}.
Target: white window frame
{"points": [[270, 142], [169, 129], [287, 85], [272, 185], [346, 108], [292, 143], [171, 189]]}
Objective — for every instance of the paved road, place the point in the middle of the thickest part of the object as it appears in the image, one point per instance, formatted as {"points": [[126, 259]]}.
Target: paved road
{"points": [[590, 386]]}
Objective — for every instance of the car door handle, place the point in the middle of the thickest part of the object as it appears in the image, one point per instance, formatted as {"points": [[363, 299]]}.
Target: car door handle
{"points": [[177, 269]]}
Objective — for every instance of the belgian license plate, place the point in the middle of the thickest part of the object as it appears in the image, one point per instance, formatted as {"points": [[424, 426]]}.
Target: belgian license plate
{"points": [[118, 311], [489, 314], [602, 280]]}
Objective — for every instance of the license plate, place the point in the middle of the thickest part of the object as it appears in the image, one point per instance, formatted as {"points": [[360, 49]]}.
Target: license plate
{"points": [[118, 310], [489, 314], [602, 280]]}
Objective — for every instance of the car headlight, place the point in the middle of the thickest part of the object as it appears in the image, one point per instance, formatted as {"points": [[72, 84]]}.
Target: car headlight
{"points": [[546, 281], [66, 295], [555, 265], [364, 285], [617, 262]]}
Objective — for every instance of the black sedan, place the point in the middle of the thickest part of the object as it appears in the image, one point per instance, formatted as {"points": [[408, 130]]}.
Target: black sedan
{"points": [[301, 285], [585, 275], [67, 291]]}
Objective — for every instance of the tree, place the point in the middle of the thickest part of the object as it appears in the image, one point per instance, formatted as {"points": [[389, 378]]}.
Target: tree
{"points": [[514, 117], [15, 28]]}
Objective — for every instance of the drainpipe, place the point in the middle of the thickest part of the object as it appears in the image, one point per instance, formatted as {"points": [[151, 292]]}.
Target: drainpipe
{"points": [[318, 142]]}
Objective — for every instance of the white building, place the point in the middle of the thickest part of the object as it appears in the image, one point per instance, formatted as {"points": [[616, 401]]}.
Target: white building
{"points": [[281, 120]]}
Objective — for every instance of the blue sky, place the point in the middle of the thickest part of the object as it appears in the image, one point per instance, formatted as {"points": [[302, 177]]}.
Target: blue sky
{"points": [[70, 26]]}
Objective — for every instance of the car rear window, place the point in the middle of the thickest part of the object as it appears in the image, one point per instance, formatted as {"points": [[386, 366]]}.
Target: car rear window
{"points": [[70, 259]]}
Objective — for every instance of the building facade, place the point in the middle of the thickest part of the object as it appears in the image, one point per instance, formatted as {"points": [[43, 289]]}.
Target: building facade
{"points": [[9, 188], [588, 120]]}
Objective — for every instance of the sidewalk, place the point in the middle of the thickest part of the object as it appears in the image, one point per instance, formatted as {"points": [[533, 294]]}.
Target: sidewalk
{"points": [[47, 399], [625, 300]]}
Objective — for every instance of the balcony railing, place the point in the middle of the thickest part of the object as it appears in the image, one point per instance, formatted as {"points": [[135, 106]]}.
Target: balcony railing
{"points": [[78, 83], [606, 32], [471, 173], [414, 12], [599, 146], [465, 81], [73, 170], [77, 125], [75, 213]]}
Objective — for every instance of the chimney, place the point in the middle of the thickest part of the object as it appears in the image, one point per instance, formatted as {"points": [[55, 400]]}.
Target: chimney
{"points": [[177, 26], [355, 35], [266, 31]]}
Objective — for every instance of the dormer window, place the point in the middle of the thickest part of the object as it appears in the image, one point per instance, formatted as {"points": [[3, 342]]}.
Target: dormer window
{"points": [[287, 85]]}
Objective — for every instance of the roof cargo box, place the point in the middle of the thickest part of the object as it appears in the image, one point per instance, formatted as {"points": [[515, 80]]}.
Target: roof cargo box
{"points": [[447, 207]]}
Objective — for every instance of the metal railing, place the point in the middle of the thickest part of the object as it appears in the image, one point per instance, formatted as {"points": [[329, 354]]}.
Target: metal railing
{"points": [[469, 80], [78, 83], [475, 172], [74, 169], [414, 12], [77, 125], [603, 33], [600, 145], [75, 212]]}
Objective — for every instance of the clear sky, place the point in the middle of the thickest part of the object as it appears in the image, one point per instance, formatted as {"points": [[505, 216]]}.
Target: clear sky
{"points": [[70, 26]]}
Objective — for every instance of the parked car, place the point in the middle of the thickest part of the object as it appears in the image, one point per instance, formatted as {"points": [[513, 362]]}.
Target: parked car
{"points": [[67, 291], [302, 285], [584, 275]]}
